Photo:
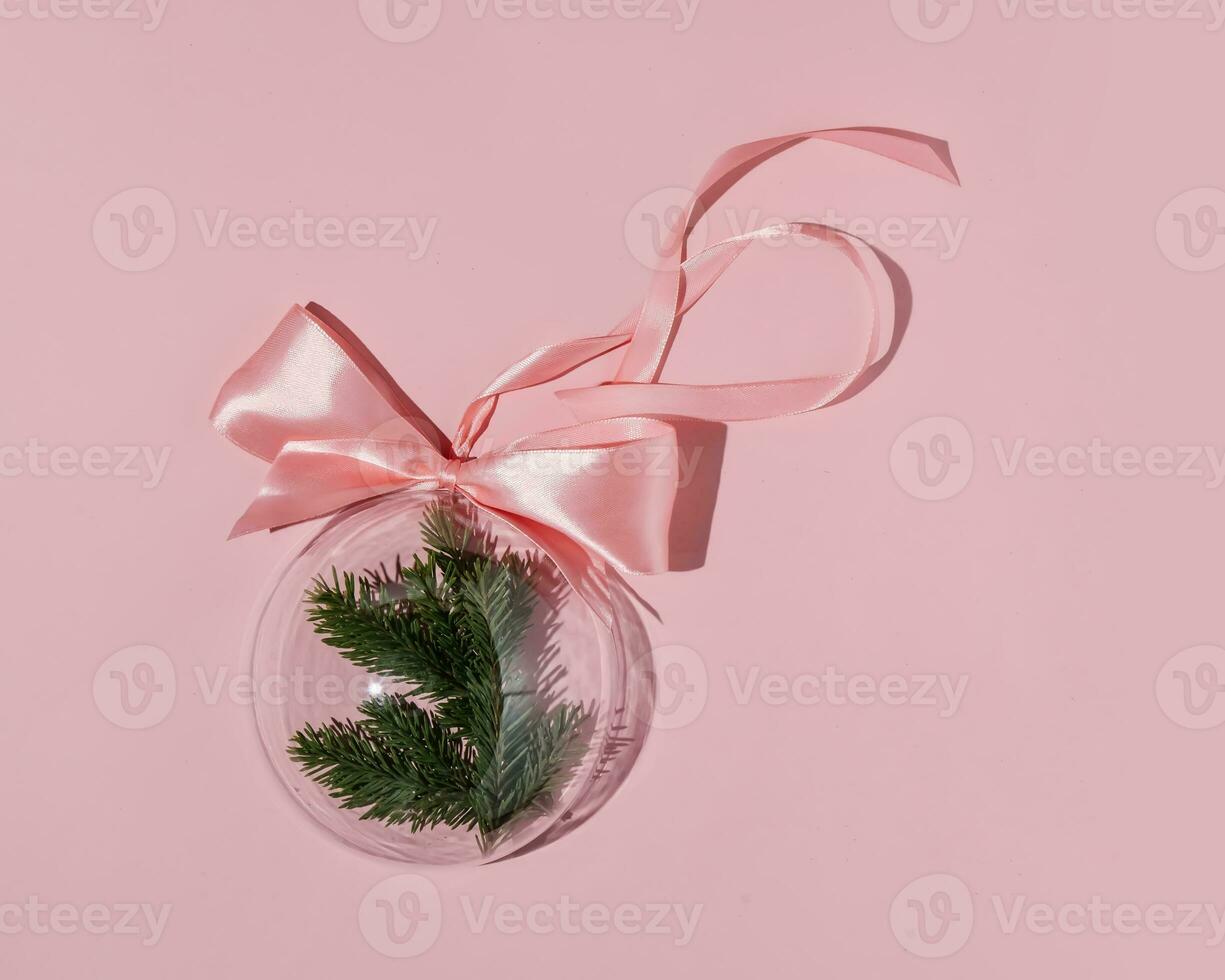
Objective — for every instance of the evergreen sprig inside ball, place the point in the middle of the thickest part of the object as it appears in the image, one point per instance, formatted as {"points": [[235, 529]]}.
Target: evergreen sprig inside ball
{"points": [[472, 741]]}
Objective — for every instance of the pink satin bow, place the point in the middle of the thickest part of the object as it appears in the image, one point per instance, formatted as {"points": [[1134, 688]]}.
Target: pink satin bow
{"points": [[337, 430]]}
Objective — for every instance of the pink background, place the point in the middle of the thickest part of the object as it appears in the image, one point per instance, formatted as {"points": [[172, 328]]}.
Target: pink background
{"points": [[1060, 319]]}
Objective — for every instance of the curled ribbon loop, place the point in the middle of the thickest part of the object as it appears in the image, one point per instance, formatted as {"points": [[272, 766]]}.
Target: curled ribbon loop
{"points": [[676, 287], [337, 430]]}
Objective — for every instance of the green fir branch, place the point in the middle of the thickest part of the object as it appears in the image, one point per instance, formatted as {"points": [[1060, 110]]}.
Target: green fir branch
{"points": [[472, 742]]}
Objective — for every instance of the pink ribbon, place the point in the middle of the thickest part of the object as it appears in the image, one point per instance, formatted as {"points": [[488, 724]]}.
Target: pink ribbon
{"points": [[316, 404]]}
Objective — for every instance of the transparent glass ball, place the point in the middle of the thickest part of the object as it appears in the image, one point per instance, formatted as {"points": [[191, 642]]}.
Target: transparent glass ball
{"points": [[545, 722]]}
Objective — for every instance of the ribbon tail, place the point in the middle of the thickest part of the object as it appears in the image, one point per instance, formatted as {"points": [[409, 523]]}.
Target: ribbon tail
{"points": [[594, 496], [314, 479], [609, 486]]}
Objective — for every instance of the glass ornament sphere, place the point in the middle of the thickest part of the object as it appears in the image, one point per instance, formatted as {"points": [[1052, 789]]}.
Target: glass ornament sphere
{"points": [[544, 721]]}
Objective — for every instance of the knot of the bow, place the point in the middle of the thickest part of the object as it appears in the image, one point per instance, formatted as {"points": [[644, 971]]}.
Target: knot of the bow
{"points": [[448, 476]]}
